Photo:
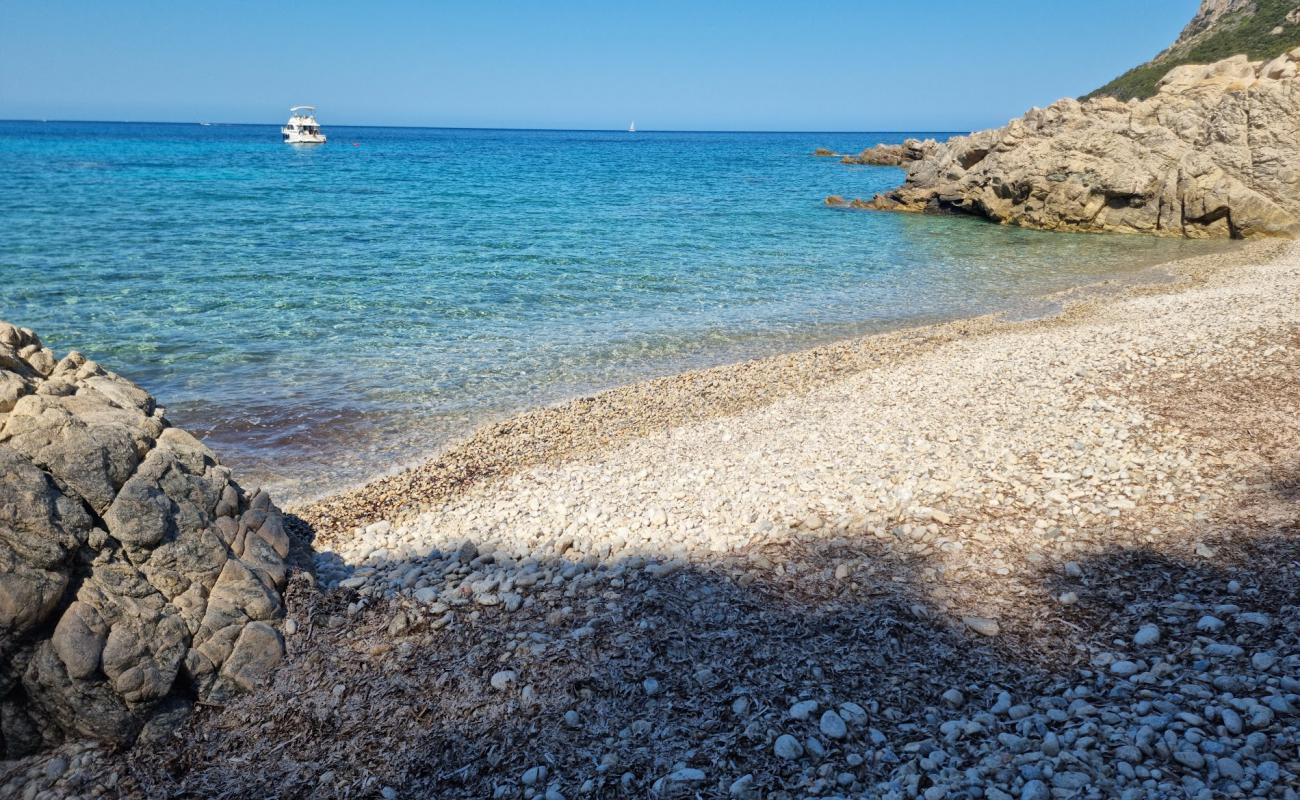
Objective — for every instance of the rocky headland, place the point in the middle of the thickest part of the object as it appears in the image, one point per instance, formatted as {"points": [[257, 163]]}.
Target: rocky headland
{"points": [[136, 577], [1212, 154]]}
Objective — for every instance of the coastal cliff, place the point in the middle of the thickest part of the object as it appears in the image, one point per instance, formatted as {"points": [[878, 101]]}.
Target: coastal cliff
{"points": [[1215, 153], [135, 575]]}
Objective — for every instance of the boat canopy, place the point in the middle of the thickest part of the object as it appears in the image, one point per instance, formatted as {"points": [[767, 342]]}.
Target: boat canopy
{"points": [[311, 110]]}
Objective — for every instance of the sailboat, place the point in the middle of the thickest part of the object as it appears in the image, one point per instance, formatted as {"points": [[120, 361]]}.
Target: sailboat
{"points": [[632, 128]]}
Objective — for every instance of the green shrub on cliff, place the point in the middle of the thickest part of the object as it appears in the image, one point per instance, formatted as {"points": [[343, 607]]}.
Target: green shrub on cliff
{"points": [[1248, 31]]}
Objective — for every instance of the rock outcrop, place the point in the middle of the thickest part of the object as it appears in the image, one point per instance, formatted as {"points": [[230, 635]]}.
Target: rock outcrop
{"points": [[1260, 29], [135, 575], [893, 155], [1215, 153], [1209, 16]]}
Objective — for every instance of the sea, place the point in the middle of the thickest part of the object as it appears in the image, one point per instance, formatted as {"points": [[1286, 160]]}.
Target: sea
{"points": [[323, 314]]}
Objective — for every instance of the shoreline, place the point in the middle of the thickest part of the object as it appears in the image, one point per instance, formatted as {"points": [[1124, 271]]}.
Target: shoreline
{"points": [[1069, 530], [1061, 526], [556, 432], [836, 334]]}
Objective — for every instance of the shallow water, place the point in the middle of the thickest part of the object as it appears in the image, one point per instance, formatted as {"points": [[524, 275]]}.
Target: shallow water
{"points": [[323, 313]]}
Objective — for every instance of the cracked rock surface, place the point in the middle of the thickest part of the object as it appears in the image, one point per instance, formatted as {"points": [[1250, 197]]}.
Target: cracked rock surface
{"points": [[135, 575]]}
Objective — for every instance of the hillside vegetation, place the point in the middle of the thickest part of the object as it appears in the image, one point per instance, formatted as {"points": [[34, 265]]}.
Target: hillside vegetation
{"points": [[1249, 30]]}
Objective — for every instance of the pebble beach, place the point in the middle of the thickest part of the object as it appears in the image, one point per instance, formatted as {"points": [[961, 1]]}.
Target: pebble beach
{"points": [[950, 428], [1048, 556]]}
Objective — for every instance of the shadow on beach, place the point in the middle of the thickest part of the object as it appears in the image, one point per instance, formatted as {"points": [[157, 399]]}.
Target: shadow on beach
{"points": [[632, 681]]}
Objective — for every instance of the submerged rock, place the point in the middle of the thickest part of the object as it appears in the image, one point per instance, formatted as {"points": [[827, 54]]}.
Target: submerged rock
{"points": [[135, 574], [1212, 155]]}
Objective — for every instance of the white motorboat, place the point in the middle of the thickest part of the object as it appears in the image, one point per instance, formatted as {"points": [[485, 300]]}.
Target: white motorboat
{"points": [[302, 127]]}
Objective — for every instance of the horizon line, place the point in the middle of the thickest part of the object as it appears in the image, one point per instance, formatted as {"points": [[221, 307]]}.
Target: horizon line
{"points": [[470, 127]]}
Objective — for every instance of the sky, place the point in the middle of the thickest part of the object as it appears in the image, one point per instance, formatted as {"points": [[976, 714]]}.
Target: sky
{"points": [[942, 65]]}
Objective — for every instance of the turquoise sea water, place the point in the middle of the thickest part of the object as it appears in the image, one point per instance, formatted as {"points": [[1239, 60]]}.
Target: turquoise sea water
{"points": [[322, 313]]}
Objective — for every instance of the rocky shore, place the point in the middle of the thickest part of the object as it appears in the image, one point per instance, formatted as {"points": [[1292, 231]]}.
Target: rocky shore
{"points": [[1211, 155], [1053, 558]]}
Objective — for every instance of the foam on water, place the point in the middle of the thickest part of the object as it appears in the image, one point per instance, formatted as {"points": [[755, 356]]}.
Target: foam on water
{"points": [[322, 313]]}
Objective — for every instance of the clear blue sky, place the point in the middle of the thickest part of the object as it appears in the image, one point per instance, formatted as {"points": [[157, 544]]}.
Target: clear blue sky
{"points": [[668, 64]]}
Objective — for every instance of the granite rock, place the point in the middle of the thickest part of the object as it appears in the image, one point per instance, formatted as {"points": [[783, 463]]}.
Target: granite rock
{"points": [[893, 155], [1211, 155]]}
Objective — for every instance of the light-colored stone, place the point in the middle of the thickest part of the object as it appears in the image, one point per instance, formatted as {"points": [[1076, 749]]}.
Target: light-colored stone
{"points": [[503, 679], [1146, 635], [803, 709], [832, 725], [982, 625], [787, 747]]}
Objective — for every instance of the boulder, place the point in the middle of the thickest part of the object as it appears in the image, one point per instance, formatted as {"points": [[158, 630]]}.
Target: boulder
{"points": [[135, 574], [1215, 153]]}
